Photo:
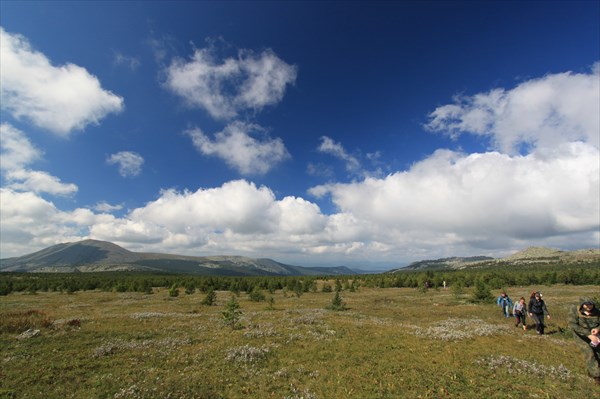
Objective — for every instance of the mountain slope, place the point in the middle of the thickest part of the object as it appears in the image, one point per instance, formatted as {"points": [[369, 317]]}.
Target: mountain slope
{"points": [[77, 253], [95, 256]]}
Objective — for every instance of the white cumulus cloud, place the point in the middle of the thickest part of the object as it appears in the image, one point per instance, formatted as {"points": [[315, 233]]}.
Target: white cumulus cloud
{"points": [[129, 163], [239, 149], [489, 196], [16, 149], [29, 222], [226, 87], [60, 99], [39, 182], [16, 154], [236, 206], [105, 207], [542, 112], [329, 146]]}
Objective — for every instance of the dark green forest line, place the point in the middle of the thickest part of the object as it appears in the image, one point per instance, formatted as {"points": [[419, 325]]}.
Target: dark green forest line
{"points": [[493, 278]]}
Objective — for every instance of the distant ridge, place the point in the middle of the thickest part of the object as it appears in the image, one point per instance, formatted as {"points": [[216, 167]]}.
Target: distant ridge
{"points": [[446, 263], [529, 255], [536, 252], [98, 256]]}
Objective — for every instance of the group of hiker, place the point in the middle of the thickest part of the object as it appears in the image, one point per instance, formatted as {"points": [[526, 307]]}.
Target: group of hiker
{"points": [[584, 321], [536, 309]]}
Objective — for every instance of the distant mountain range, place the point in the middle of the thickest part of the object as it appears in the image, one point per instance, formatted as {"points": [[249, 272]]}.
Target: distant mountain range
{"points": [[102, 256], [529, 255]]}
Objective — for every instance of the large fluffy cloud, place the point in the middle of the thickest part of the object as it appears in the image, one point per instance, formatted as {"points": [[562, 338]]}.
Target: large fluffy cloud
{"points": [[226, 87], [239, 149], [490, 196], [236, 207], [537, 113], [57, 98]]}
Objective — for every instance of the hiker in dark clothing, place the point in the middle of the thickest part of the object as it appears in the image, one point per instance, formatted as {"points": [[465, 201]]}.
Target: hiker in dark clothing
{"points": [[584, 320], [537, 309]]}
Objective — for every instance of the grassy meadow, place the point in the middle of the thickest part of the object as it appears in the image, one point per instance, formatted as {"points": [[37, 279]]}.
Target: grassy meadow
{"points": [[388, 343]]}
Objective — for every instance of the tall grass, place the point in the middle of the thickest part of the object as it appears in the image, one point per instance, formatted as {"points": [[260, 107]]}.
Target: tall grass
{"points": [[387, 343]]}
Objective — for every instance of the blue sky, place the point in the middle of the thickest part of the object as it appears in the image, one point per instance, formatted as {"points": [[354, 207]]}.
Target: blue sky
{"points": [[367, 134]]}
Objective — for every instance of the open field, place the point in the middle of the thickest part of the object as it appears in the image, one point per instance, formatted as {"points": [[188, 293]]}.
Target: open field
{"points": [[390, 343]]}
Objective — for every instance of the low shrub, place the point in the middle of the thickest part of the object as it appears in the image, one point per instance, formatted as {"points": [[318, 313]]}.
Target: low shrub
{"points": [[17, 322]]}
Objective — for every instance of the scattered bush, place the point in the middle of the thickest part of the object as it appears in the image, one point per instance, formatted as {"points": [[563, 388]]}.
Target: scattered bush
{"points": [[482, 292], [458, 289], [256, 295]]}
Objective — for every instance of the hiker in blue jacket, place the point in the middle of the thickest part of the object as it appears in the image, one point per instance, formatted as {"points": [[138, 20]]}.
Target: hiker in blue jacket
{"points": [[505, 302]]}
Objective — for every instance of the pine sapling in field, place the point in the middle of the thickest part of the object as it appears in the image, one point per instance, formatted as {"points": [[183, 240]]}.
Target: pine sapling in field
{"points": [[232, 313], [210, 298], [256, 295], [271, 302], [337, 303], [338, 285], [190, 288], [174, 291], [298, 289]]}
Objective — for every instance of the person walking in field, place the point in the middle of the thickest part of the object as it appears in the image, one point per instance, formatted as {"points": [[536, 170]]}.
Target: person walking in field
{"points": [[505, 303], [584, 320], [520, 313], [537, 310]]}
